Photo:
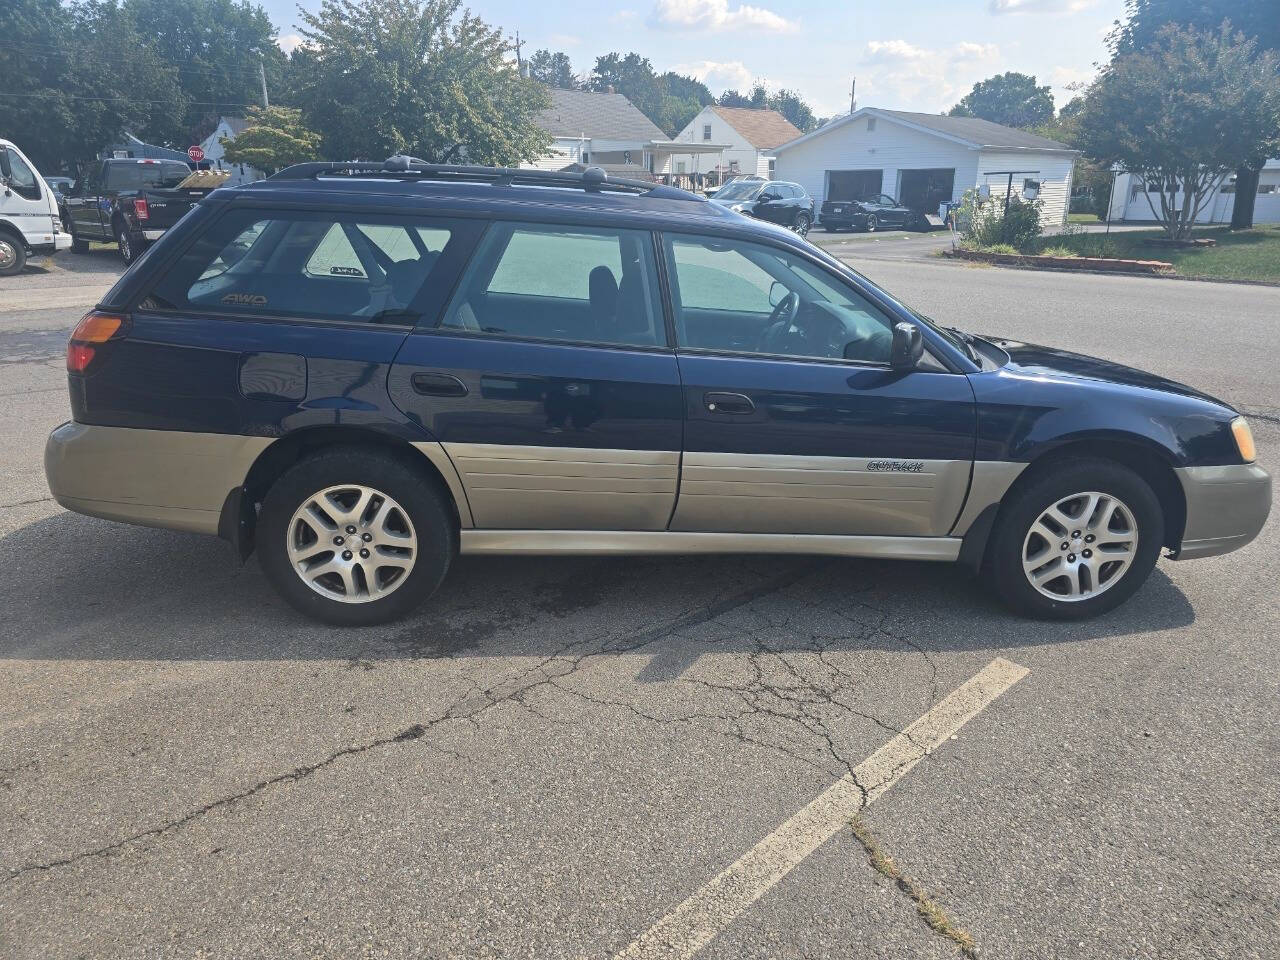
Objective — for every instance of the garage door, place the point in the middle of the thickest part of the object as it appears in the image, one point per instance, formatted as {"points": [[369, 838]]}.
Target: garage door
{"points": [[923, 190], [854, 184]]}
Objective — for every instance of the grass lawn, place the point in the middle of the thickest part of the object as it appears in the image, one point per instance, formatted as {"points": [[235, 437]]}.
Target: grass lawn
{"points": [[1243, 255], [1083, 218]]}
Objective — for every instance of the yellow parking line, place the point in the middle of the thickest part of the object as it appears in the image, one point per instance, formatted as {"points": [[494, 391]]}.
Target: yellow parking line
{"points": [[692, 925]]}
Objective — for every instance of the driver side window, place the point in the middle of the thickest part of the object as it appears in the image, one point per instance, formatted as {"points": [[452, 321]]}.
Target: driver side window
{"points": [[739, 297]]}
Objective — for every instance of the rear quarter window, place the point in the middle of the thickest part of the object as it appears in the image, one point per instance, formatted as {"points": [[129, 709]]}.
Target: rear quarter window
{"points": [[307, 266]]}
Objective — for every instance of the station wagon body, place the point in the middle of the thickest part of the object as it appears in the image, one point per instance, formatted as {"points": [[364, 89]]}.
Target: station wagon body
{"points": [[362, 370]]}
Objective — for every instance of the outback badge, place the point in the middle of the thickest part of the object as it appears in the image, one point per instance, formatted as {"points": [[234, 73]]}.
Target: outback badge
{"points": [[896, 466]]}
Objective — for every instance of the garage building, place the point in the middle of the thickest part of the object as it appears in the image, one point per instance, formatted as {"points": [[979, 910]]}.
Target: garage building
{"points": [[922, 160]]}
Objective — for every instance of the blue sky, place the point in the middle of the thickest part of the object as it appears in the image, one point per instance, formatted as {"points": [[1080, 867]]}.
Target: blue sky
{"points": [[906, 54]]}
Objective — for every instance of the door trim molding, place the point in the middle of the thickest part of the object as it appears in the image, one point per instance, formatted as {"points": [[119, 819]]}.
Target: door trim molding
{"points": [[633, 542]]}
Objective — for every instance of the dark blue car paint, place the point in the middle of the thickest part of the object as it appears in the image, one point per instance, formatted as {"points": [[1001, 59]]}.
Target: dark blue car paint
{"points": [[187, 372]]}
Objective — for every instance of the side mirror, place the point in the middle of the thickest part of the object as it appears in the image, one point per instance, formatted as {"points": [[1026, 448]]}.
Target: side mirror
{"points": [[908, 346]]}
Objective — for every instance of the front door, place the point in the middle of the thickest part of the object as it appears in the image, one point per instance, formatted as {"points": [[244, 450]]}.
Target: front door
{"points": [[550, 382], [794, 421]]}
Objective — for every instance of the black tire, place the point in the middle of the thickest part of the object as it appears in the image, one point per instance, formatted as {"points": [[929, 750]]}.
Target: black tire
{"points": [[1047, 486], [129, 243], [802, 223], [13, 255], [77, 244], [432, 519], [871, 223]]}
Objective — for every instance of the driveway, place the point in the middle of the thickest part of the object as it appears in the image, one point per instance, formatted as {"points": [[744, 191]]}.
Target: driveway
{"points": [[642, 757]]}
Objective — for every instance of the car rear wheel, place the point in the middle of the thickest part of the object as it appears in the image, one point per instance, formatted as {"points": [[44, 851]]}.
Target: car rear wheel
{"points": [[802, 223], [127, 243], [1076, 541], [354, 537], [872, 223], [12, 256]]}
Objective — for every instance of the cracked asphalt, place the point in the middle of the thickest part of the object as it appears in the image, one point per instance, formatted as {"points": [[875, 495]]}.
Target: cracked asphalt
{"points": [[554, 754]]}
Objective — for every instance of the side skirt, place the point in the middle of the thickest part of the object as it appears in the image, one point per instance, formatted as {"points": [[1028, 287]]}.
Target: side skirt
{"points": [[624, 542]]}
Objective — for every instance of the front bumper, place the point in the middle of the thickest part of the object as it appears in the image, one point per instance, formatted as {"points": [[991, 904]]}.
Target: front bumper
{"points": [[156, 478], [1226, 508]]}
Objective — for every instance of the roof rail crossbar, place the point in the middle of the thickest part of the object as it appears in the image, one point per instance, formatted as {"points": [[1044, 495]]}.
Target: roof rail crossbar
{"points": [[592, 180]]}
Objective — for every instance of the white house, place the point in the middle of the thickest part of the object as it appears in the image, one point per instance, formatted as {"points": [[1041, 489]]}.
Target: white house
{"points": [[1129, 204], [228, 128], [922, 160], [746, 138], [597, 129]]}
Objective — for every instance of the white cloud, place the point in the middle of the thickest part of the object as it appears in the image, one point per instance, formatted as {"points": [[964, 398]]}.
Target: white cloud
{"points": [[289, 42], [713, 15], [903, 75], [719, 75], [998, 7], [564, 40]]}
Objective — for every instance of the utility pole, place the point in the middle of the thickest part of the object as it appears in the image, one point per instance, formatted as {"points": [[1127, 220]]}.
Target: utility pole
{"points": [[853, 95], [519, 61], [262, 74]]}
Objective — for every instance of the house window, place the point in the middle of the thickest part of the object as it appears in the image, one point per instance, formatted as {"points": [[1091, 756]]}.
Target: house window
{"points": [[586, 156], [679, 166], [772, 165], [706, 131], [733, 166], [871, 124]]}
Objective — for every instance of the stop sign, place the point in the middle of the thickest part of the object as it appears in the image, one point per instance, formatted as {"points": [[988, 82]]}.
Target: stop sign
{"points": [[195, 153]]}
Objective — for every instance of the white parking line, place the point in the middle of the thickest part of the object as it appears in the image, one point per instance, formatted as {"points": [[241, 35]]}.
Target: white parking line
{"points": [[693, 924]]}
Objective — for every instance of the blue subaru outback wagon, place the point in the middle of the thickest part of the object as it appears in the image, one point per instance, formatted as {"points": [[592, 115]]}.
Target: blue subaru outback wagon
{"points": [[363, 370]]}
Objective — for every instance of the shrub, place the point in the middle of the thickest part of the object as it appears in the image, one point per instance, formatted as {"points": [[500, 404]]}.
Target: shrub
{"points": [[1058, 251], [987, 223]]}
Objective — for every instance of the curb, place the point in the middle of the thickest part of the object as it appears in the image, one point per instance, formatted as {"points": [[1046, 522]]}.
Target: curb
{"points": [[1051, 265], [1095, 264]]}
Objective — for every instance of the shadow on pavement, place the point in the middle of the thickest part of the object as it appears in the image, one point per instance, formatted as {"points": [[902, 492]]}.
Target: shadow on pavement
{"points": [[79, 588]]}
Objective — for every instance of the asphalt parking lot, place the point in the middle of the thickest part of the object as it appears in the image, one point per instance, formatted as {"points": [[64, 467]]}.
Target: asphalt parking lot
{"points": [[642, 757]]}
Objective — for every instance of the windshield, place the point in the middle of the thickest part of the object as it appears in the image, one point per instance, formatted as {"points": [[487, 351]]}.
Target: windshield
{"points": [[739, 190]]}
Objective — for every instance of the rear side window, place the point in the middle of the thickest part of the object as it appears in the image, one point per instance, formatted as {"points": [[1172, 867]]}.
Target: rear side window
{"points": [[581, 284], [164, 176], [305, 266]]}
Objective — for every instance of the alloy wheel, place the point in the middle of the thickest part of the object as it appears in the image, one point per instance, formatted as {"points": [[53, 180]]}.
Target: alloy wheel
{"points": [[872, 223], [352, 543], [126, 246], [1080, 546], [8, 254], [801, 225]]}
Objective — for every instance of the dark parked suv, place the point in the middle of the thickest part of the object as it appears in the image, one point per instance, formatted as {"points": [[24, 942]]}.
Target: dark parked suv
{"points": [[777, 201], [364, 370]]}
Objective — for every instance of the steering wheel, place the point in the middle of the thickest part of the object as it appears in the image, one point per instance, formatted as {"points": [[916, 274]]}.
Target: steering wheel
{"points": [[778, 327]]}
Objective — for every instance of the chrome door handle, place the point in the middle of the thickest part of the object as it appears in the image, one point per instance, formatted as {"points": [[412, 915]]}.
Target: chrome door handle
{"points": [[728, 403]]}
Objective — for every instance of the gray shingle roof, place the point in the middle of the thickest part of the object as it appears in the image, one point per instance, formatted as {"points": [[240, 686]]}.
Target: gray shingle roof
{"points": [[983, 133], [608, 116]]}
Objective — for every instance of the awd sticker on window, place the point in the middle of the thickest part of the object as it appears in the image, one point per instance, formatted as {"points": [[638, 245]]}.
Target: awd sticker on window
{"points": [[245, 299]]}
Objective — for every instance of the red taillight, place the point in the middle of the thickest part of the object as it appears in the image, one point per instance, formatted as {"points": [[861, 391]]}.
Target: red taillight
{"points": [[94, 328], [140, 208]]}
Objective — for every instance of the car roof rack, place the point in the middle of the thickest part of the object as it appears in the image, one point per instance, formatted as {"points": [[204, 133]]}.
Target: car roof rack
{"points": [[592, 180]]}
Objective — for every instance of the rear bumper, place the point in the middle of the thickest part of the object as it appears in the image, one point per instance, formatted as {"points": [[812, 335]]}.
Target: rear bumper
{"points": [[155, 478], [152, 234], [1227, 507], [843, 221]]}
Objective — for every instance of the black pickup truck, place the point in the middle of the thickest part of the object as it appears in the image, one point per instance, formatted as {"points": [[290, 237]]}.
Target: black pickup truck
{"points": [[129, 201]]}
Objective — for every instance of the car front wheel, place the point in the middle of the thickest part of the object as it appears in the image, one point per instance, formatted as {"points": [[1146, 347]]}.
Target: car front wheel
{"points": [[12, 256], [801, 224], [1076, 541], [872, 223], [355, 537]]}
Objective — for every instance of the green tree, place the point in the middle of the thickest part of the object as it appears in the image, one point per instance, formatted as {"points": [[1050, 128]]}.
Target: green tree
{"points": [[553, 69], [423, 77], [67, 90], [216, 48], [1256, 19], [632, 76], [1009, 98], [682, 98], [1180, 113], [275, 138]]}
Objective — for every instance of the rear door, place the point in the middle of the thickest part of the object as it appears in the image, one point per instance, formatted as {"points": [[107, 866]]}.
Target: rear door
{"points": [[794, 422], [550, 381], [82, 205]]}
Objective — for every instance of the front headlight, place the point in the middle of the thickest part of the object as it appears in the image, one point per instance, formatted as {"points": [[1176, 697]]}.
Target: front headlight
{"points": [[1244, 439]]}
